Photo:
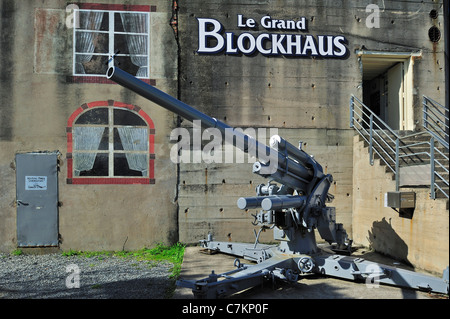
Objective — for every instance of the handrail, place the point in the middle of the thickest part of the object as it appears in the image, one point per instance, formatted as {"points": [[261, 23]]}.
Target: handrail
{"points": [[374, 115], [436, 119], [395, 150]]}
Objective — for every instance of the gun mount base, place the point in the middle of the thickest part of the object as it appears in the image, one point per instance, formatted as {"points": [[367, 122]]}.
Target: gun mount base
{"points": [[271, 264]]}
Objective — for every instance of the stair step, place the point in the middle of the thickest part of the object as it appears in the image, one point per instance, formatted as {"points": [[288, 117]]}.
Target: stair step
{"points": [[413, 161], [383, 140], [387, 143]]}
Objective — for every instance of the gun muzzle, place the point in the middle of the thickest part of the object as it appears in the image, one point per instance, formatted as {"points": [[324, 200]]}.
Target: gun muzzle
{"points": [[282, 202]]}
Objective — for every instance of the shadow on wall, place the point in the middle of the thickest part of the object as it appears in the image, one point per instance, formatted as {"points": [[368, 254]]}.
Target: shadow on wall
{"points": [[383, 239]]}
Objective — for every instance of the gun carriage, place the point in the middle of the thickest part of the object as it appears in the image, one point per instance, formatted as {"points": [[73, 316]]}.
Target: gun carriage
{"points": [[293, 205]]}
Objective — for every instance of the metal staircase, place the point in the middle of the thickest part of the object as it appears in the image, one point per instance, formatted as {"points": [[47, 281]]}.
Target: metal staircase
{"points": [[414, 158]]}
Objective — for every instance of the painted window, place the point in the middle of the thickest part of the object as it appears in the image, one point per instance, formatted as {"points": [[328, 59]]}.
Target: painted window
{"points": [[110, 142], [104, 31]]}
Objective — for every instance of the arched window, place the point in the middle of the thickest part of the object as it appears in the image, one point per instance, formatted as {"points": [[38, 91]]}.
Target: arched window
{"points": [[109, 142]]}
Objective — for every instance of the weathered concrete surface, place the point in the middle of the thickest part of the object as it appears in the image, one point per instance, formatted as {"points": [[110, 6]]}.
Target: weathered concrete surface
{"points": [[209, 192], [422, 241], [37, 97], [305, 98], [197, 265]]}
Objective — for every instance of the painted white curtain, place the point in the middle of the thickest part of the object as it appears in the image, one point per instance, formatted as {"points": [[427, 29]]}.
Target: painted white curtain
{"points": [[89, 20], [85, 139], [135, 139], [137, 44]]}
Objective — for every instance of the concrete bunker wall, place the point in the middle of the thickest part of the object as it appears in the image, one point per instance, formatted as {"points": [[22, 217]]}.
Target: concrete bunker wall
{"points": [[304, 98], [39, 94]]}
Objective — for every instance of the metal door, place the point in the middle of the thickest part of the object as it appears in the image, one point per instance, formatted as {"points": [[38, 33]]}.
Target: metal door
{"points": [[37, 199]]}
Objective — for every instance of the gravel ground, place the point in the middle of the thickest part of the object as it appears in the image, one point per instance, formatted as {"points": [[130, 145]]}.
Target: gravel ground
{"points": [[53, 276]]}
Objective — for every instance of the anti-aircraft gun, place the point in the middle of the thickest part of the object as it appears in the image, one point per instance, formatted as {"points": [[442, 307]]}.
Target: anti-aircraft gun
{"points": [[293, 204]]}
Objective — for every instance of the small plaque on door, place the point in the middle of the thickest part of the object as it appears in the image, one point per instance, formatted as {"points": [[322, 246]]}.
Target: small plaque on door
{"points": [[35, 183]]}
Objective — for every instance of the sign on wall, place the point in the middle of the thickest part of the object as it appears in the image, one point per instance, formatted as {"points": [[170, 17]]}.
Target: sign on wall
{"points": [[35, 183], [281, 39]]}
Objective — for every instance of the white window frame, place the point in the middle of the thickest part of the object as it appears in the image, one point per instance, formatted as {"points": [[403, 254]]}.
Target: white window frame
{"points": [[111, 32]]}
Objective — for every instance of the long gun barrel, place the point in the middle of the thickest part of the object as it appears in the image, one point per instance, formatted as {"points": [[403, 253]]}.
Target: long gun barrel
{"points": [[294, 216], [296, 174]]}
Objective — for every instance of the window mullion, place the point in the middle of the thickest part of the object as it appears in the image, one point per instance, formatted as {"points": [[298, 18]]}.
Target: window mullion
{"points": [[111, 109], [148, 45], [111, 142], [111, 39]]}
